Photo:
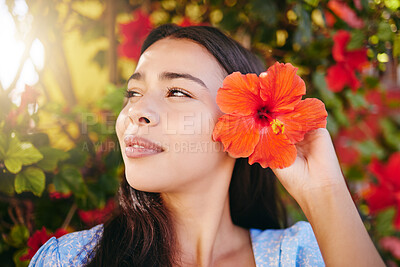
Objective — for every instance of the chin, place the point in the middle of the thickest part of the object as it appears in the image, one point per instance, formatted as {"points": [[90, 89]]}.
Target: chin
{"points": [[146, 183]]}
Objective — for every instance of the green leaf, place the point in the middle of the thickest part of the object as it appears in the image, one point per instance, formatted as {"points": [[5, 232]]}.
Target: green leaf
{"points": [[70, 177], [51, 157], [390, 133], [384, 222], [355, 99], [31, 179], [266, 11], [60, 185], [313, 3], [7, 184], [13, 165], [371, 82], [371, 148], [331, 125], [340, 116], [357, 40], [16, 258], [100, 58], [3, 145], [113, 100], [396, 45], [318, 79], [303, 33], [18, 236], [78, 155], [384, 31], [20, 153], [354, 173]]}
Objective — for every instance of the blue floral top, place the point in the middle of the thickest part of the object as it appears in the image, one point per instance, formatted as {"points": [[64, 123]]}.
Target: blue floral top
{"points": [[294, 246]]}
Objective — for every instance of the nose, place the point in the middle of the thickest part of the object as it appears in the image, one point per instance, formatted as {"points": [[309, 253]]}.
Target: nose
{"points": [[143, 116]]}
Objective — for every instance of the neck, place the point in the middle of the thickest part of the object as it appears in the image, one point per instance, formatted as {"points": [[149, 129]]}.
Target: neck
{"points": [[202, 221]]}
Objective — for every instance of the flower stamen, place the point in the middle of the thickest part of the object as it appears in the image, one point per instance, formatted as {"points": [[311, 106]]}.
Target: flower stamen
{"points": [[277, 126]]}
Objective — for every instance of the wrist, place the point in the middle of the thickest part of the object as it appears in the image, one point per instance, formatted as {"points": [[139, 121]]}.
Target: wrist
{"points": [[324, 198]]}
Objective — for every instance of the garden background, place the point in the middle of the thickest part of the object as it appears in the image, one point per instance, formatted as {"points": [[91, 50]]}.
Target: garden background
{"points": [[63, 70]]}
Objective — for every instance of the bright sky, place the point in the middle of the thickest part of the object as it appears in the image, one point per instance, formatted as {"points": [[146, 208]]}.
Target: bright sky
{"points": [[12, 48]]}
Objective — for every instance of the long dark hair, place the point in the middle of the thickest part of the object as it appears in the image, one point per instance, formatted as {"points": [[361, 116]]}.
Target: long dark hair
{"points": [[141, 233]]}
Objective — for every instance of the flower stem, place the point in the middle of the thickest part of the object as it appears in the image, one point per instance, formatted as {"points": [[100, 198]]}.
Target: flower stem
{"points": [[70, 214]]}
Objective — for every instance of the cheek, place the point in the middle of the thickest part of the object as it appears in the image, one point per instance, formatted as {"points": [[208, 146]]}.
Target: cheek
{"points": [[191, 155], [120, 125], [192, 127]]}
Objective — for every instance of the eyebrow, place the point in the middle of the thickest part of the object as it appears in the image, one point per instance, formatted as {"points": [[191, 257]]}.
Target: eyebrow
{"points": [[170, 76]]}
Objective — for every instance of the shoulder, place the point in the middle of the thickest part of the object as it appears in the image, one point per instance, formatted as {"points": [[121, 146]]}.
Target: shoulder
{"points": [[69, 250], [293, 246]]}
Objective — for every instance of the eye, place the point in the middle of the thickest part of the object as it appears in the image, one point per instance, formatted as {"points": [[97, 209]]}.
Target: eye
{"points": [[131, 93], [177, 92]]}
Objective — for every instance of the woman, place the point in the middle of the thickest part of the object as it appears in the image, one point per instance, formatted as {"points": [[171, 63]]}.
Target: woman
{"points": [[186, 202]]}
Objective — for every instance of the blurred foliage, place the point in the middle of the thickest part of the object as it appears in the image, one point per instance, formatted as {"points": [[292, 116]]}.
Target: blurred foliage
{"points": [[58, 149]]}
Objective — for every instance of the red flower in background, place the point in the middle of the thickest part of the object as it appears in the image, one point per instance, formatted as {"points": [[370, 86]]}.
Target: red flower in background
{"points": [[391, 244], [357, 4], [387, 192], [59, 195], [329, 19], [345, 148], [53, 194], [97, 216], [188, 22], [29, 96], [134, 33], [265, 115], [38, 239], [343, 73], [344, 12]]}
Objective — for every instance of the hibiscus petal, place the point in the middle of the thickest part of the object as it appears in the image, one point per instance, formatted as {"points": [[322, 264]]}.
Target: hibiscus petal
{"points": [[308, 115], [238, 134], [357, 59], [337, 77], [281, 87], [352, 80], [341, 38], [343, 11], [378, 169], [393, 170], [273, 150], [379, 198], [239, 94]]}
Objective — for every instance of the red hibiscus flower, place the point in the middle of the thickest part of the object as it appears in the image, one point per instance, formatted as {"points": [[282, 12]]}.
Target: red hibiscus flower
{"points": [[134, 34], [97, 216], [265, 115], [38, 239], [387, 192], [343, 73], [344, 12]]}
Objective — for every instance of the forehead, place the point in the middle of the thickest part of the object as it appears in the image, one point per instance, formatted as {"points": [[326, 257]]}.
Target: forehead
{"points": [[181, 56]]}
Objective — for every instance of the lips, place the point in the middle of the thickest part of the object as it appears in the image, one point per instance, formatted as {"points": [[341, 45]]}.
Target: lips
{"points": [[137, 147]]}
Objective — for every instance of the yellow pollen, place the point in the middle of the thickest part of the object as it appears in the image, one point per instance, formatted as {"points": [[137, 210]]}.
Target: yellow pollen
{"points": [[277, 126]]}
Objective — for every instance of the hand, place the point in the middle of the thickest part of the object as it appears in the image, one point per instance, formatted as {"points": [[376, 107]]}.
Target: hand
{"points": [[315, 169]]}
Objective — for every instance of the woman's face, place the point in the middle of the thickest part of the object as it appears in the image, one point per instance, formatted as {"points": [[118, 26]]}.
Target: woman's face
{"points": [[172, 104]]}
